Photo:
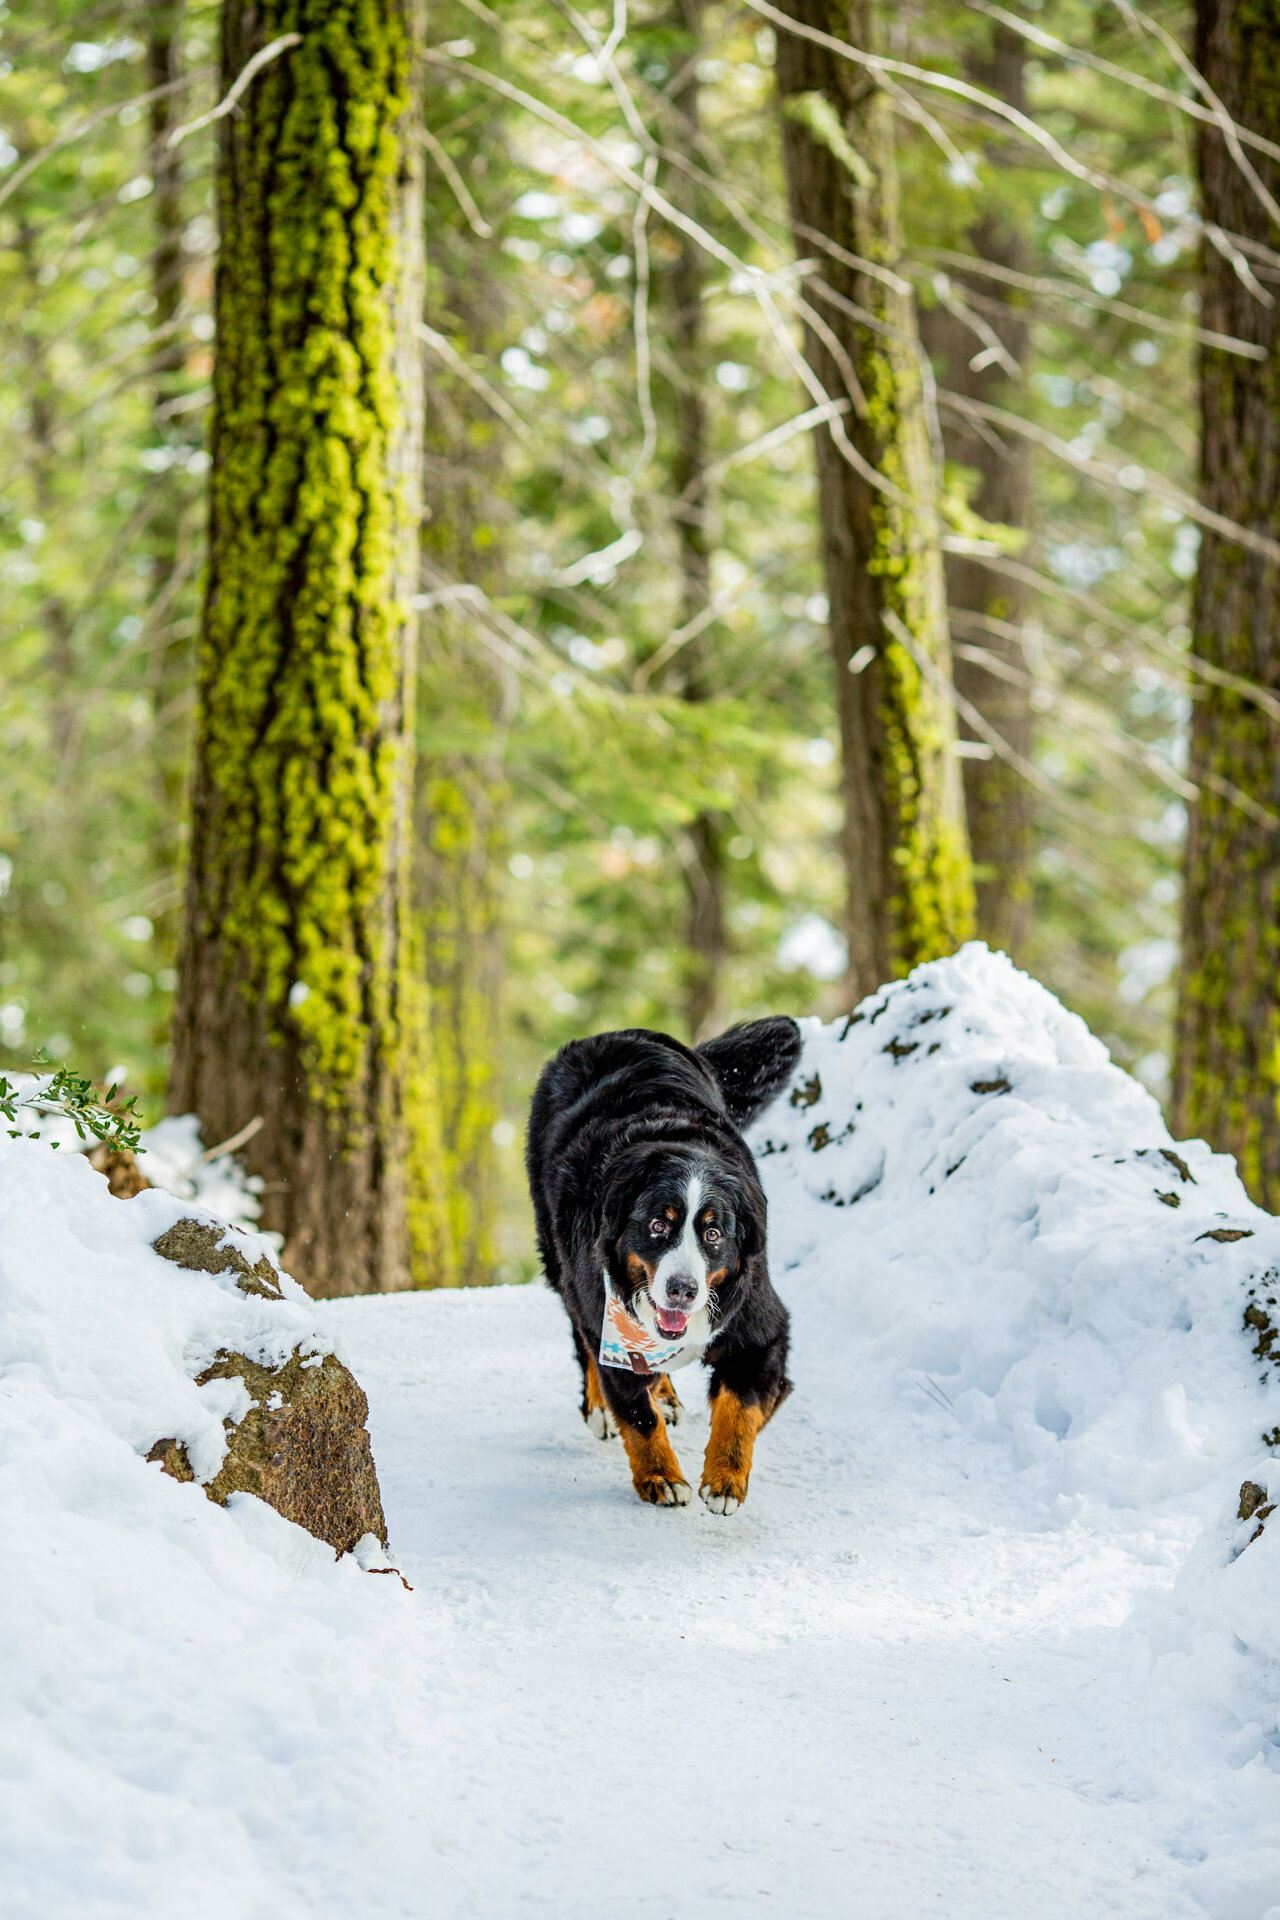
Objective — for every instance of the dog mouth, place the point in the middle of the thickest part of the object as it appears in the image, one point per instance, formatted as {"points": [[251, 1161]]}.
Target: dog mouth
{"points": [[670, 1322]]}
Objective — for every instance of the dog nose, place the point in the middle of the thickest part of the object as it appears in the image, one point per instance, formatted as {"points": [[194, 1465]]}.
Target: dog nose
{"points": [[681, 1290]]}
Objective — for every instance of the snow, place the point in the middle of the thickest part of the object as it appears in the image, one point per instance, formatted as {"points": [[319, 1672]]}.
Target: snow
{"points": [[173, 1157], [987, 1638]]}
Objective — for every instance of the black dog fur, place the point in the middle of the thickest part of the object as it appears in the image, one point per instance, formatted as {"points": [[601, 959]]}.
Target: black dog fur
{"points": [[618, 1124]]}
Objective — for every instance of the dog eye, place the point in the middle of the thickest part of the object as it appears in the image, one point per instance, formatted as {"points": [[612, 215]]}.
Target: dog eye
{"points": [[713, 1236], [658, 1228]]}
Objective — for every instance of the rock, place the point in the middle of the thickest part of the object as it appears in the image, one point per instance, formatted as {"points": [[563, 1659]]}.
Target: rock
{"points": [[125, 1177], [303, 1446], [1254, 1505]]}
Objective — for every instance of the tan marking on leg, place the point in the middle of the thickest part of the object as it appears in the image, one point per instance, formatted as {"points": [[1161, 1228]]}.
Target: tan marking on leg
{"points": [[596, 1412], [727, 1466], [666, 1401], [655, 1471]]}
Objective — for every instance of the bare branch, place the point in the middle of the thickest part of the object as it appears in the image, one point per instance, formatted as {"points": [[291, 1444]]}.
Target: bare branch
{"points": [[247, 73], [461, 193]]}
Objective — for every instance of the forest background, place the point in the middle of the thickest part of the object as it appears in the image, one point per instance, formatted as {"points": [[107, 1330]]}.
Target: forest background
{"points": [[627, 794]]}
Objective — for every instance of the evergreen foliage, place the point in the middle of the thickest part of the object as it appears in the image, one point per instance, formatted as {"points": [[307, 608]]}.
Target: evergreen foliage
{"points": [[564, 777]]}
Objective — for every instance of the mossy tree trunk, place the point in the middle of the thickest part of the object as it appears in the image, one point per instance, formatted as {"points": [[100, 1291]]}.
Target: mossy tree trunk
{"points": [[986, 609], [1227, 1076], [460, 808], [680, 286], [299, 999], [910, 887]]}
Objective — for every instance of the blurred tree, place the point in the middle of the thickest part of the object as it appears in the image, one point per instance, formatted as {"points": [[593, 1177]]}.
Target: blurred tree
{"points": [[1227, 1076], [679, 277], [171, 553], [298, 1002], [465, 697], [910, 885], [978, 333]]}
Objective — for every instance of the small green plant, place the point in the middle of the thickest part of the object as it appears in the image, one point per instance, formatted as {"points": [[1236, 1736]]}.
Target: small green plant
{"points": [[75, 1098]]}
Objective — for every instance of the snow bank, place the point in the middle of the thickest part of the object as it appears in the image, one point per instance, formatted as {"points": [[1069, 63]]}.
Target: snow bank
{"points": [[164, 1659], [1003, 1274], [172, 1156], [1002, 1213]]}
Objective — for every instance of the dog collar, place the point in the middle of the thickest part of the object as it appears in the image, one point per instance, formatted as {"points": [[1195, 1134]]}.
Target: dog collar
{"points": [[625, 1344]]}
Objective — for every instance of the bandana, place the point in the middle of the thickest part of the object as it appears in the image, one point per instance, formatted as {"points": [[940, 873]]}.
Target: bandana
{"points": [[624, 1343]]}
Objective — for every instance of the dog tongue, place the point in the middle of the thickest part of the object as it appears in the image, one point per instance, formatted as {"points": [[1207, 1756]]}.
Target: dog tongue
{"points": [[671, 1324]]}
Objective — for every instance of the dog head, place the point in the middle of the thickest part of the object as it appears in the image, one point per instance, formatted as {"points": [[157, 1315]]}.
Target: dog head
{"points": [[681, 1231]]}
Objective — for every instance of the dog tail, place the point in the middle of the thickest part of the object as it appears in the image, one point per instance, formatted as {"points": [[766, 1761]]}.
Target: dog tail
{"points": [[753, 1063]]}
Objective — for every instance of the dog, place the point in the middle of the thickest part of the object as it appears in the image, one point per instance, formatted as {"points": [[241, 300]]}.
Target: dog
{"points": [[651, 1226]]}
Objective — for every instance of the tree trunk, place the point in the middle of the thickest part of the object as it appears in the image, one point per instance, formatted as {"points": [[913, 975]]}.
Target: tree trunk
{"points": [[171, 660], [298, 999], [910, 886], [998, 800], [462, 791], [1227, 1077], [681, 288]]}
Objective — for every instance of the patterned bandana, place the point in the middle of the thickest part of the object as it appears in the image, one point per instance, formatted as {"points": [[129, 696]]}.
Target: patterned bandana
{"points": [[624, 1343]]}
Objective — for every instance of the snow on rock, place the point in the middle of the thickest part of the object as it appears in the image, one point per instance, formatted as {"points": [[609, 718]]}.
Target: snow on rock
{"points": [[296, 1433], [963, 1173], [178, 1338]]}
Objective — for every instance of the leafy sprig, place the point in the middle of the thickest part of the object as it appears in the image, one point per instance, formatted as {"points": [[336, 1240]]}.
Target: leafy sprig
{"points": [[75, 1097]]}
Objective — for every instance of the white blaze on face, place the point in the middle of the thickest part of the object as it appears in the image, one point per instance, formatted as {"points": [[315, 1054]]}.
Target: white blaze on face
{"points": [[684, 1259]]}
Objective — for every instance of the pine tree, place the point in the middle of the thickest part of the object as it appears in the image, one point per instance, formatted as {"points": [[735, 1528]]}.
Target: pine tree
{"points": [[985, 609], [1227, 1079], [680, 286], [298, 1002], [910, 888], [465, 706]]}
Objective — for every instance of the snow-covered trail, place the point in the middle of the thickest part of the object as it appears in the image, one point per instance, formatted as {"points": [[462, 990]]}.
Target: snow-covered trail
{"points": [[988, 1640], [876, 1691]]}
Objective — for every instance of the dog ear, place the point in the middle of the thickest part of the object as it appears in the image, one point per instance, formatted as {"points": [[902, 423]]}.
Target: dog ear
{"points": [[749, 1206], [615, 1204]]}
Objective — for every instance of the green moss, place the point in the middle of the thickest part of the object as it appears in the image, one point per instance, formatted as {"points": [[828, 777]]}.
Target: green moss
{"points": [[921, 904], [305, 704], [458, 829]]}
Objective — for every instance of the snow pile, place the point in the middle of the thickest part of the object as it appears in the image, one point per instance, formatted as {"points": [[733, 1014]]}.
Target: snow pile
{"points": [[989, 1595], [173, 1157], [1000, 1212], [135, 1659]]}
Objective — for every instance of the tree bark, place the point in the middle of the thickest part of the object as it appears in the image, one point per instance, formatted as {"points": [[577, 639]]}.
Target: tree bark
{"points": [[1227, 1073], [681, 285], [171, 662], [462, 791], [910, 886], [299, 998], [998, 801]]}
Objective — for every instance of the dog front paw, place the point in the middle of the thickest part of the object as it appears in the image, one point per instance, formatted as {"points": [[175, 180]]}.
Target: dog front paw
{"points": [[722, 1499], [660, 1492], [601, 1422]]}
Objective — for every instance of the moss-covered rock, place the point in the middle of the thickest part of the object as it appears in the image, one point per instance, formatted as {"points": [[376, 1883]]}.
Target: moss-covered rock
{"points": [[303, 1444]]}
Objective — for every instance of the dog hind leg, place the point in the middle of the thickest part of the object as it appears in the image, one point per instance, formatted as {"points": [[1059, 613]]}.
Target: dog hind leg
{"points": [[666, 1400], [596, 1410]]}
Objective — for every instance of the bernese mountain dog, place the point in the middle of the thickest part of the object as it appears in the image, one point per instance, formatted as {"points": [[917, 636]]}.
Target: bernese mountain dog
{"points": [[651, 1227]]}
